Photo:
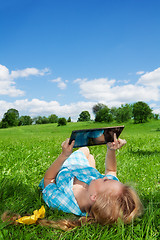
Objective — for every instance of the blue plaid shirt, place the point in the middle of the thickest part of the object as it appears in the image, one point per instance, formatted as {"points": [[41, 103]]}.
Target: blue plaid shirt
{"points": [[60, 195]]}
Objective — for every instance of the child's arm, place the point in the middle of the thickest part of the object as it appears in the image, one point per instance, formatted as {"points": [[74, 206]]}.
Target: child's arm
{"points": [[110, 161], [53, 170]]}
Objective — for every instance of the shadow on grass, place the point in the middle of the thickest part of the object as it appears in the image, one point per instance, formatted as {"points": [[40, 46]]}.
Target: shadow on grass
{"points": [[18, 196], [144, 152]]}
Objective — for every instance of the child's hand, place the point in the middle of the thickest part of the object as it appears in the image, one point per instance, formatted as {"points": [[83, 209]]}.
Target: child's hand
{"points": [[117, 144], [66, 148]]}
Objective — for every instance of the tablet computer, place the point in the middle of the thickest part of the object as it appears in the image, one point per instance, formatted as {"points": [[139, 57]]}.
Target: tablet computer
{"points": [[96, 136]]}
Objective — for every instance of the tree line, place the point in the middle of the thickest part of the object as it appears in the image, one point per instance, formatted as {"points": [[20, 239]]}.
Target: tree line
{"points": [[11, 119], [140, 112]]}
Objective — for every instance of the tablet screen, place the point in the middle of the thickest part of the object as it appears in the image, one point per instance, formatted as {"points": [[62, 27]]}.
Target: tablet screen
{"points": [[96, 136]]}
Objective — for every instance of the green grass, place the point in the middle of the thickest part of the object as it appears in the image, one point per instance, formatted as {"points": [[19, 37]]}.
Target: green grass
{"points": [[26, 152]]}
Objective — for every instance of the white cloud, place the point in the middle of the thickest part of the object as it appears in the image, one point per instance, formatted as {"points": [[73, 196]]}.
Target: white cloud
{"points": [[79, 80], [139, 72], [104, 90], [156, 111], [37, 107], [155, 107], [59, 79], [4, 106], [61, 84], [11, 91], [7, 83], [97, 90], [4, 73], [29, 72], [151, 78], [123, 81]]}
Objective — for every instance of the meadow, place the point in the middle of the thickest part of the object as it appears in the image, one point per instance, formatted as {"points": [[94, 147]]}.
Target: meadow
{"points": [[27, 151]]}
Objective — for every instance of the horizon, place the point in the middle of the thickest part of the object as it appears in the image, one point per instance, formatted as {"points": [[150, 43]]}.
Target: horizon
{"points": [[92, 117]]}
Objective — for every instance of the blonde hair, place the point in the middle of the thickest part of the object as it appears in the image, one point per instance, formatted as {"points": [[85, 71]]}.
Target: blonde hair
{"points": [[126, 206], [105, 210]]}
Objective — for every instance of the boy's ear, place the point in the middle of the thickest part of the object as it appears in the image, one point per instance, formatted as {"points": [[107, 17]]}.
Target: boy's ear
{"points": [[93, 197]]}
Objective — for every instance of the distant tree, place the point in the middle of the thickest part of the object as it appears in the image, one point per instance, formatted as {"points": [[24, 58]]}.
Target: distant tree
{"points": [[3, 124], [98, 107], [84, 116], [45, 120], [113, 111], [41, 120], [38, 120], [141, 112], [10, 118], [104, 115], [25, 120], [69, 119], [62, 121], [13, 111], [156, 116], [124, 113], [53, 118], [34, 120]]}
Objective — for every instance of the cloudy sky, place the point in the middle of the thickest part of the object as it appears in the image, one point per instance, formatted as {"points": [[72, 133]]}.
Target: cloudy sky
{"points": [[63, 56]]}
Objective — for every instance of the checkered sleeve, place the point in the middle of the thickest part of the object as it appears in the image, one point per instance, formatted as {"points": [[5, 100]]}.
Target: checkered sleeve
{"points": [[55, 198]]}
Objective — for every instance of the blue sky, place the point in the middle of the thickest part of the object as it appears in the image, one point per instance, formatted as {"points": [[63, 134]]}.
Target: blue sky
{"points": [[64, 56]]}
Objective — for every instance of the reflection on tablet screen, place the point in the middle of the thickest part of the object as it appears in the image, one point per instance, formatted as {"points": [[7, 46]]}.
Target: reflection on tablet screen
{"points": [[97, 136]]}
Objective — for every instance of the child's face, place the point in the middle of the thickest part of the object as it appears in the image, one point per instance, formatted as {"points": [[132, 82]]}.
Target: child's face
{"points": [[105, 185]]}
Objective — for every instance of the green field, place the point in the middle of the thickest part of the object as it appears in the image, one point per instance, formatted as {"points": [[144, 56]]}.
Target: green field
{"points": [[26, 152]]}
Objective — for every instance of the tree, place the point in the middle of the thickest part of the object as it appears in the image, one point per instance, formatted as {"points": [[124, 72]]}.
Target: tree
{"points": [[38, 120], [53, 118], [69, 119], [124, 113], [141, 112], [84, 116], [41, 120], [113, 111], [25, 120], [156, 116], [3, 124], [98, 107], [104, 115], [10, 118], [45, 120], [62, 121]]}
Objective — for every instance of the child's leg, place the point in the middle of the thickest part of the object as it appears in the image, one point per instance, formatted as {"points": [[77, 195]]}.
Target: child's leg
{"points": [[91, 161], [85, 150], [89, 156]]}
